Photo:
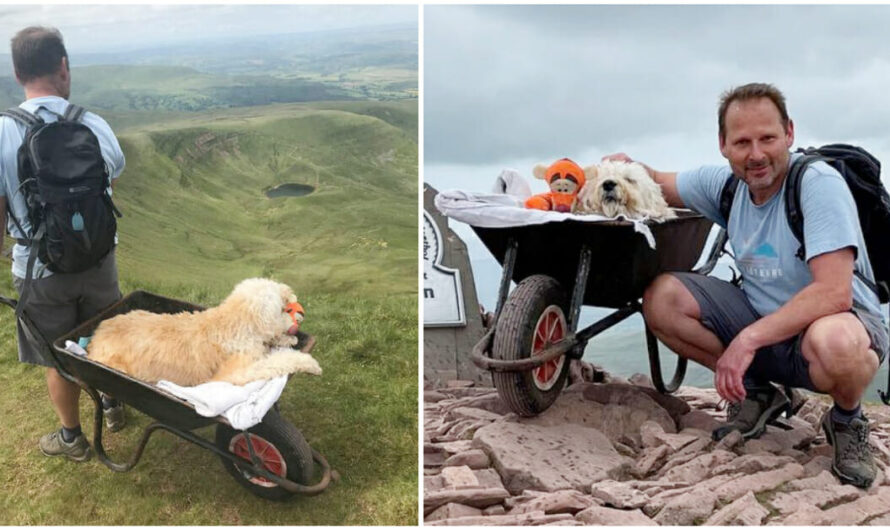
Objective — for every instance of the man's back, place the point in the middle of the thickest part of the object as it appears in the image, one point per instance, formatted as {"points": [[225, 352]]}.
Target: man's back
{"points": [[12, 133]]}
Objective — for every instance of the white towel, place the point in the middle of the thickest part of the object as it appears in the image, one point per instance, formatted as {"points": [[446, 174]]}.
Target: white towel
{"points": [[75, 348], [244, 406], [496, 210], [510, 182]]}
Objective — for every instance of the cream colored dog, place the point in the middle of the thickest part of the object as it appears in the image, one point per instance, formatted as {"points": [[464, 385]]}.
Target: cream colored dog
{"points": [[622, 188], [246, 338]]}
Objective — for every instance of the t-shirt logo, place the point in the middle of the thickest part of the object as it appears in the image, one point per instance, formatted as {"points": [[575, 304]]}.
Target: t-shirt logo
{"points": [[763, 263]]}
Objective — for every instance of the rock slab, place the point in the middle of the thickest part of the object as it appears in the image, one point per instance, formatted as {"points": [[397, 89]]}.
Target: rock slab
{"points": [[529, 457]]}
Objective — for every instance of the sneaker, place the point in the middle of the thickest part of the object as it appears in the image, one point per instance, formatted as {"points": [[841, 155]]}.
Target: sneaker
{"points": [[750, 417], [78, 449], [115, 419], [852, 461]]}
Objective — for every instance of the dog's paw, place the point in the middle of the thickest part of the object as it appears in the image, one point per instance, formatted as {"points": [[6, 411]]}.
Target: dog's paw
{"points": [[307, 364], [285, 341]]}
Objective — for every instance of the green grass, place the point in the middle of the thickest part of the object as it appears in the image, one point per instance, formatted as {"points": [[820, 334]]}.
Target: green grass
{"points": [[196, 222]]}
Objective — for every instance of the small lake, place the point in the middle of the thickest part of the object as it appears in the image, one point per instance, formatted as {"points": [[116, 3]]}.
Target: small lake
{"points": [[289, 190]]}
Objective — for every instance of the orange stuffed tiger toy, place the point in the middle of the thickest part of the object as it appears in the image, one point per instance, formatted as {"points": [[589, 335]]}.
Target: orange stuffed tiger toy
{"points": [[565, 179]]}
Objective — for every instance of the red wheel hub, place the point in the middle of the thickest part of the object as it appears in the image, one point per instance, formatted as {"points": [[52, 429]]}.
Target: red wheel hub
{"points": [[550, 329], [267, 453]]}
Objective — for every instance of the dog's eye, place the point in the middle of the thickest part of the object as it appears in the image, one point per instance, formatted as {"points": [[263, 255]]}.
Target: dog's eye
{"points": [[632, 180]]}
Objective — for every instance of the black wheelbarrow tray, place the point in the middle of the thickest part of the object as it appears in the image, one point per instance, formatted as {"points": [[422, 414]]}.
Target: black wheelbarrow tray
{"points": [[271, 459], [559, 267]]}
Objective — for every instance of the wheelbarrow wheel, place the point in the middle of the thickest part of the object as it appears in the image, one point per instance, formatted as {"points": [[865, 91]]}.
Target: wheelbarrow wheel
{"points": [[533, 318], [280, 446]]}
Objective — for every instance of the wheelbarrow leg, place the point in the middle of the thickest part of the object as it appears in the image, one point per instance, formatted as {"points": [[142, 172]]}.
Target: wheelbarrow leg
{"points": [[578, 297], [506, 277], [655, 366], [482, 349]]}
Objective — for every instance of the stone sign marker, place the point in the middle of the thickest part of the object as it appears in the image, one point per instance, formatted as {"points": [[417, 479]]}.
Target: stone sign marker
{"points": [[443, 303], [452, 322]]}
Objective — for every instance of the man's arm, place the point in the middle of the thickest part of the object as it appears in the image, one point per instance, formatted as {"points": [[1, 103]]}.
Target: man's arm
{"points": [[666, 179], [830, 292]]}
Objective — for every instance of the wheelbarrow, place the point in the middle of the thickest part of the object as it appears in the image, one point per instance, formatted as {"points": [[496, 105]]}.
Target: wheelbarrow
{"points": [[271, 459], [558, 268]]}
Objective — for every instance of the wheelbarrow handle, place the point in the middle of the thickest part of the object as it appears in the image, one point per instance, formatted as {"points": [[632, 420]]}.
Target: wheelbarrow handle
{"points": [[520, 365], [11, 302]]}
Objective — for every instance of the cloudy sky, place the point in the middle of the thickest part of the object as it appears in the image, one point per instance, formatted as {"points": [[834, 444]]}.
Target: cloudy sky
{"points": [[509, 86], [98, 28]]}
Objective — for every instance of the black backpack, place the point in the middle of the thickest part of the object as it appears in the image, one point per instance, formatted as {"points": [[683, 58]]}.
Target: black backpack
{"points": [[862, 172], [64, 180]]}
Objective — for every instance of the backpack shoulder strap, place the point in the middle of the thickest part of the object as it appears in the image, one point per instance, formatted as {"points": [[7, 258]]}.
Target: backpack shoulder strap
{"points": [[73, 112], [727, 195], [793, 210], [795, 213], [22, 116]]}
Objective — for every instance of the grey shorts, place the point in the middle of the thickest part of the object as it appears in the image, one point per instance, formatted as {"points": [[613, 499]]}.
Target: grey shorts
{"points": [[725, 310], [59, 303]]}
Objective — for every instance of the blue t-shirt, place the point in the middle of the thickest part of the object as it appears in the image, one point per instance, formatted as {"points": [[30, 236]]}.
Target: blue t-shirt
{"points": [[762, 241], [12, 133]]}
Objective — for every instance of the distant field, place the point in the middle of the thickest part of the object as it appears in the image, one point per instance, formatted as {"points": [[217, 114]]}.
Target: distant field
{"points": [[196, 222]]}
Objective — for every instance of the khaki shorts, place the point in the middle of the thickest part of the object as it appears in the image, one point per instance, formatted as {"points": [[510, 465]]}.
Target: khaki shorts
{"points": [[61, 302], [725, 310]]}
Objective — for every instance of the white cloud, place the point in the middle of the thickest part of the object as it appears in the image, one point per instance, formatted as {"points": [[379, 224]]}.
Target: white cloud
{"points": [[507, 83], [99, 28]]}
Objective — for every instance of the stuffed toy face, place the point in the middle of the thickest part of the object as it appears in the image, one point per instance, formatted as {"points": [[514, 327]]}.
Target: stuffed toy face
{"points": [[565, 179]]}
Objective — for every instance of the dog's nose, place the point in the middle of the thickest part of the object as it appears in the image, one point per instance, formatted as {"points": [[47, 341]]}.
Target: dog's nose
{"points": [[609, 185]]}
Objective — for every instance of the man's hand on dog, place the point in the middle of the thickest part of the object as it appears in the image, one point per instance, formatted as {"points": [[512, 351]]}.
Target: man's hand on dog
{"points": [[732, 366]]}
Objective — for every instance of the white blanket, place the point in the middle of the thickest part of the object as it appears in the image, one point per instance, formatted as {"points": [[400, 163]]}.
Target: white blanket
{"points": [[511, 182], [497, 210], [244, 406]]}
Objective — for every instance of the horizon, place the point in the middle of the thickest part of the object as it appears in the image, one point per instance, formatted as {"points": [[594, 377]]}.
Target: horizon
{"points": [[125, 28]]}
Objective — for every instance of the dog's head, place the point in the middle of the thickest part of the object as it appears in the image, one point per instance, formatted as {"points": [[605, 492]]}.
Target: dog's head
{"points": [[272, 306], [617, 188]]}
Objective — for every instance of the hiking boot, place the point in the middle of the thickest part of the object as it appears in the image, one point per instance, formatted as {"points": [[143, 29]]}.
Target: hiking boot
{"points": [[115, 419], [78, 449], [750, 417], [852, 461]]}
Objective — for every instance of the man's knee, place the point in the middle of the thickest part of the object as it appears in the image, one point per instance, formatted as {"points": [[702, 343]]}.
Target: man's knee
{"points": [[665, 298], [840, 345]]}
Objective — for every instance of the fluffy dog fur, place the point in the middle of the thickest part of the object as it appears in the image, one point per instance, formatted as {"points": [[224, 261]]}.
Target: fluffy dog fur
{"points": [[244, 339], [621, 188]]}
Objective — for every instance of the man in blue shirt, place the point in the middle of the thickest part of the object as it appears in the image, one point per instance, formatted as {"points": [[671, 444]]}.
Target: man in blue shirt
{"points": [[57, 302], [808, 324]]}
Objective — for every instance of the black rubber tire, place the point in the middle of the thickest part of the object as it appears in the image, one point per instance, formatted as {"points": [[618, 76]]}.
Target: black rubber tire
{"points": [[287, 440], [513, 340]]}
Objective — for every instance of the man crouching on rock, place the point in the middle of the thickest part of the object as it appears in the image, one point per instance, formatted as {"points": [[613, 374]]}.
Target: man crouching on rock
{"points": [[810, 324]]}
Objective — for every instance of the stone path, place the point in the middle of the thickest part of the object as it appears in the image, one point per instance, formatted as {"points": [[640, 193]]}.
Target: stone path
{"points": [[619, 453]]}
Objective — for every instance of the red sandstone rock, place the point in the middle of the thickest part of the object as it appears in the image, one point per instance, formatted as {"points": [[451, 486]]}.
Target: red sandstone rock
{"points": [[602, 516], [744, 511], [548, 458]]}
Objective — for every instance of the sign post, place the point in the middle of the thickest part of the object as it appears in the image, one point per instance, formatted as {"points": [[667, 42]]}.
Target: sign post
{"points": [[452, 321]]}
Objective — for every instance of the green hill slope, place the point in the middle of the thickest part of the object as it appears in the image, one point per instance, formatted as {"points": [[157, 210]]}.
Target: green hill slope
{"points": [[193, 195]]}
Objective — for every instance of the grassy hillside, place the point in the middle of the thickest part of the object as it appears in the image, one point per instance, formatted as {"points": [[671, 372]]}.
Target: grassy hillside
{"points": [[196, 222], [199, 190], [118, 87]]}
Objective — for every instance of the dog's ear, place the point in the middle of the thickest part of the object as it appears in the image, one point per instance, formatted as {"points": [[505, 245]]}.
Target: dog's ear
{"points": [[540, 171], [591, 172]]}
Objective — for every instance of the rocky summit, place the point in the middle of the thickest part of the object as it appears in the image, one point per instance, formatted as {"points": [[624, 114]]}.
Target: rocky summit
{"points": [[620, 453]]}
